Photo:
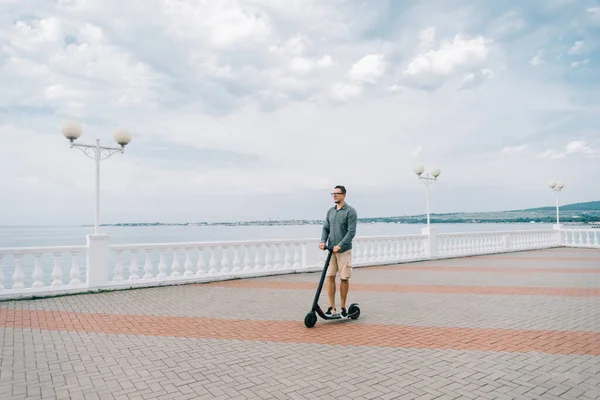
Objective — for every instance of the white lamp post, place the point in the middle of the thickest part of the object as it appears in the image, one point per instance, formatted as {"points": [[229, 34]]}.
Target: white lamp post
{"points": [[72, 131], [556, 186], [427, 179]]}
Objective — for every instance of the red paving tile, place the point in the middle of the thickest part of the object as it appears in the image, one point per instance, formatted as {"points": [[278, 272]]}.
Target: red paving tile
{"points": [[373, 287], [345, 333]]}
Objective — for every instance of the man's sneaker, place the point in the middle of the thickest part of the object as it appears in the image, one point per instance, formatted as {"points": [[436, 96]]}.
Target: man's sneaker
{"points": [[330, 311], [344, 313]]}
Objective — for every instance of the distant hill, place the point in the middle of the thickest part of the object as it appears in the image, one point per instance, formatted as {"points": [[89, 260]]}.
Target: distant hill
{"points": [[576, 213], [587, 206]]}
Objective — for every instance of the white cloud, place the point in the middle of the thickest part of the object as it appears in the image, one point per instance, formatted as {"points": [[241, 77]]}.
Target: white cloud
{"points": [[474, 79], [576, 64], [579, 47], [346, 91], [368, 69], [426, 38], [225, 23], [512, 150], [537, 59], [594, 11], [304, 65], [458, 54], [574, 147]]}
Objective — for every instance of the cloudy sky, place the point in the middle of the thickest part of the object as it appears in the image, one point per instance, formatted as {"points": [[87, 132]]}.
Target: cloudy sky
{"points": [[256, 109]]}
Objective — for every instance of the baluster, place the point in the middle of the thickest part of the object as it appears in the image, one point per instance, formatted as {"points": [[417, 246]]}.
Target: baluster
{"points": [[175, 267], [402, 249], [596, 242], [379, 250], [278, 263], [201, 265], [258, 266], [365, 251], [288, 256], [588, 239], [148, 265], [391, 252], [38, 274], [236, 259], [118, 267], [213, 262], [269, 258], [372, 250], [74, 274], [18, 274], [386, 249], [356, 251], [57, 271], [1, 274], [297, 256], [133, 266], [225, 261], [162, 265], [247, 261], [188, 263]]}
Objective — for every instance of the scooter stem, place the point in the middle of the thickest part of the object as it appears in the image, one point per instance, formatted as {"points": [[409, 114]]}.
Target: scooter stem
{"points": [[318, 294]]}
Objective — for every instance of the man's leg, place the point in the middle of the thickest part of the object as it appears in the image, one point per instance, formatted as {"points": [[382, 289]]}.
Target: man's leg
{"points": [[331, 274], [345, 263], [331, 292], [344, 286]]}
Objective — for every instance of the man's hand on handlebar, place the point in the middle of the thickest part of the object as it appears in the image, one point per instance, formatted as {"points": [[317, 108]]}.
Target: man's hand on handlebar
{"points": [[335, 249]]}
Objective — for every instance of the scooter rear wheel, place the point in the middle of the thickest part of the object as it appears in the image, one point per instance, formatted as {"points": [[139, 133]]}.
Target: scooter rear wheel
{"points": [[354, 309], [310, 320]]}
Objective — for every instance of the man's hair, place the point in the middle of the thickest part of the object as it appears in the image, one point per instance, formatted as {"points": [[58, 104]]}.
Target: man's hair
{"points": [[342, 188]]}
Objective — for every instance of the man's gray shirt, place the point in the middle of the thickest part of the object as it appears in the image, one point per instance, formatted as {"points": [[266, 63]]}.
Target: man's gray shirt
{"points": [[339, 227]]}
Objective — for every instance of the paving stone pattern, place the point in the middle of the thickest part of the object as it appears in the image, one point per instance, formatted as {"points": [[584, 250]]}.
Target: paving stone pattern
{"points": [[248, 341]]}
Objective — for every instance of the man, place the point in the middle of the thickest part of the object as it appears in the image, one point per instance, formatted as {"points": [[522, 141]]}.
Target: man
{"points": [[339, 229]]}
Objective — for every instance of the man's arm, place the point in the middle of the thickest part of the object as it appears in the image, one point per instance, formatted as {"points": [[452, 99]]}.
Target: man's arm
{"points": [[325, 231], [352, 218]]}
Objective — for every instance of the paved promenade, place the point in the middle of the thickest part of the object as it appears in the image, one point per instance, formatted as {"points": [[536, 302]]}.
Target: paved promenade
{"points": [[514, 326]]}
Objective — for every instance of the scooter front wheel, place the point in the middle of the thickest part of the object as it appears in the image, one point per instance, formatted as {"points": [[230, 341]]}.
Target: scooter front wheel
{"points": [[310, 320]]}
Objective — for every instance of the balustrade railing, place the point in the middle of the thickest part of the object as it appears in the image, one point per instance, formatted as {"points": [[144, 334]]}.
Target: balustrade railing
{"points": [[29, 270], [26, 272], [580, 237]]}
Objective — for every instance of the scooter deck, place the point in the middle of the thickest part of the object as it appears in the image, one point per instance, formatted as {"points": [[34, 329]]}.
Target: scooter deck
{"points": [[321, 314]]}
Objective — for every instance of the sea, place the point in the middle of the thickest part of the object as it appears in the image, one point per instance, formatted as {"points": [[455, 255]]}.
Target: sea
{"points": [[43, 236]]}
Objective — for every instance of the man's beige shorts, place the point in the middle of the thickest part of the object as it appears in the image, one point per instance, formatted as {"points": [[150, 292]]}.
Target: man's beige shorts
{"points": [[341, 262]]}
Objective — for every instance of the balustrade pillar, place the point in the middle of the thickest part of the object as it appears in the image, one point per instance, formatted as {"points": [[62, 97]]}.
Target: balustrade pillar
{"points": [[97, 260], [431, 242]]}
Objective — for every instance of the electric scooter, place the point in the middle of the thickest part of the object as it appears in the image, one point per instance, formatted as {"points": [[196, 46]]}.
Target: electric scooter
{"points": [[311, 318]]}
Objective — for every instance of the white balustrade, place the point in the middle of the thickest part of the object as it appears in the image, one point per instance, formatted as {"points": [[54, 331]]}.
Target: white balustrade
{"points": [[98, 265], [581, 237], [36, 270], [206, 259], [471, 243]]}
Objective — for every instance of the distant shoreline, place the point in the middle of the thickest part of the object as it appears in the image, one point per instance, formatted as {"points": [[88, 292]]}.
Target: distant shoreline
{"points": [[299, 223]]}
